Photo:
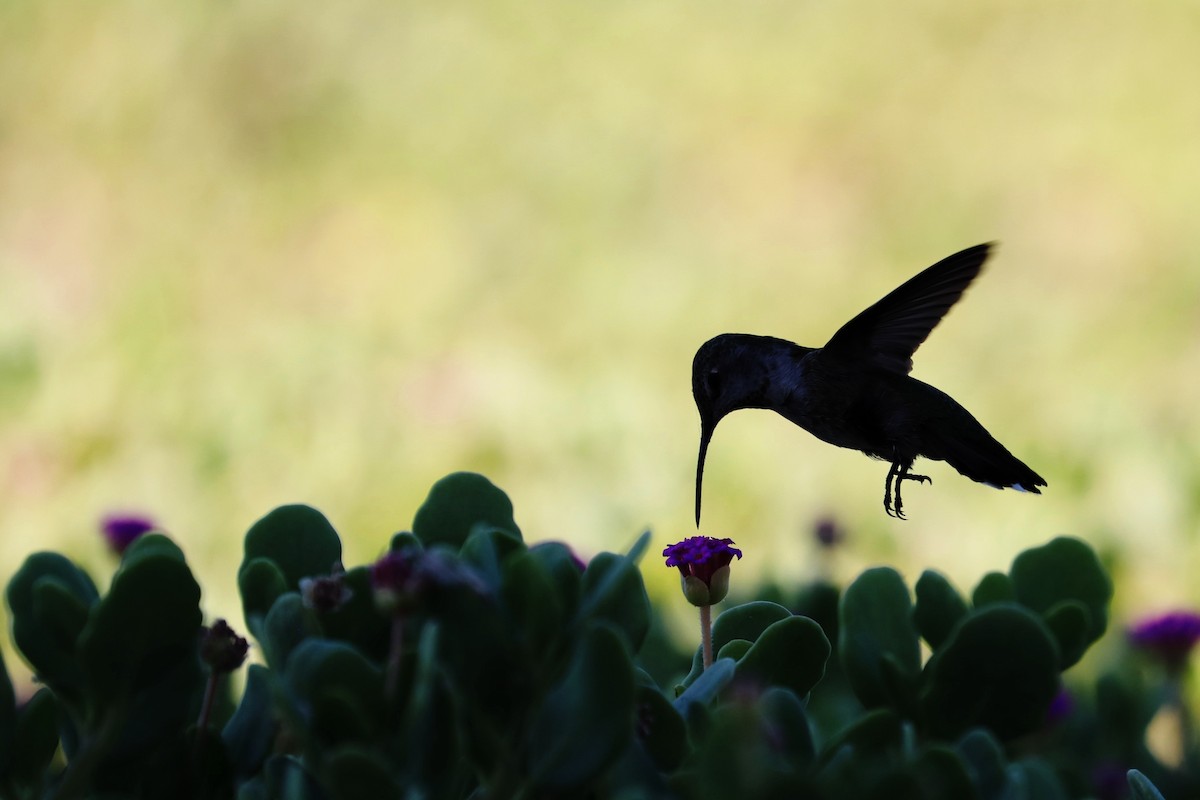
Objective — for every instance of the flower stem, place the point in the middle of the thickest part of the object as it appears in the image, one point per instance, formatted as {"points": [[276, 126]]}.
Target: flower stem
{"points": [[210, 694], [706, 635], [1175, 701], [395, 651]]}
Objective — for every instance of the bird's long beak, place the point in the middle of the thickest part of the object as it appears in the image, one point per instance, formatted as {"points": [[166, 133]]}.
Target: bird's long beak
{"points": [[707, 426]]}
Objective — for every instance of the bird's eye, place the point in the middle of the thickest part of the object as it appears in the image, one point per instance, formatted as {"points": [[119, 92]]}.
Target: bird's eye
{"points": [[712, 382]]}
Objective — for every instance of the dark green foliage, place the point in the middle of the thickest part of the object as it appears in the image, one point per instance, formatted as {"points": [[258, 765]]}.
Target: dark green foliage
{"points": [[50, 599], [1141, 788], [995, 587], [587, 719], [457, 504], [298, 539], [877, 641], [938, 609], [1065, 583], [249, 733], [746, 621], [998, 669], [494, 669], [790, 653]]}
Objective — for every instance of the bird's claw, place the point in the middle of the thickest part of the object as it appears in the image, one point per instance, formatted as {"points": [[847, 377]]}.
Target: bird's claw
{"points": [[899, 474]]}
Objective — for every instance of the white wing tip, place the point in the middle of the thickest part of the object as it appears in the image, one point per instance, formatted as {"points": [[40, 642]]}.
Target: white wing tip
{"points": [[1016, 486]]}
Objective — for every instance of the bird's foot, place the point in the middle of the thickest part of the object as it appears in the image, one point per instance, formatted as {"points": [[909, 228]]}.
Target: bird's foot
{"points": [[899, 473]]}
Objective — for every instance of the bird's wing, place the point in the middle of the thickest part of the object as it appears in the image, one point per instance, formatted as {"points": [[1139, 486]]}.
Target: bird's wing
{"points": [[889, 332]]}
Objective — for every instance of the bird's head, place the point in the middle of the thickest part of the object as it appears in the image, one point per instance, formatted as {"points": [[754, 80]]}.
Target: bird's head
{"points": [[726, 375]]}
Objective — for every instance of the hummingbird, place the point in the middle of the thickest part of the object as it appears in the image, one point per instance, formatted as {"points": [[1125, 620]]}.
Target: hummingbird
{"points": [[856, 391]]}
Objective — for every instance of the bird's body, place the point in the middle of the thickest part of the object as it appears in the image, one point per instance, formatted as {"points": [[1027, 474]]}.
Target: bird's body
{"points": [[855, 392]]}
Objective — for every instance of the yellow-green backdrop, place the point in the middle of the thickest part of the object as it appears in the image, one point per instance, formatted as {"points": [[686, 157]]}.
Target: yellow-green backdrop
{"points": [[265, 252]]}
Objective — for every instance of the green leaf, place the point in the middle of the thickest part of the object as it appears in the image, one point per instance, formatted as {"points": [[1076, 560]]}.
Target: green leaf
{"points": [[176, 765], [781, 712], [287, 779], [1070, 622], [661, 729], [734, 649], [260, 583], [357, 621], [1140, 787], [877, 642], [287, 625], [485, 550], [986, 763], [1064, 569], [50, 599], [791, 653], [746, 621], [566, 573], [938, 609], [752, 748], [150, 619], [299, 539], [151, 544], [994, 587], [941, 774], [706, 687], [8, 716], [336, 690], [459, 502], [639, 547], [360, 774], [250, 732], [529, 593], [998, 669], [1035, 779], [35, 739], [613, 591], [868, 736], [430, 737], [404, 540], [587, 720]]}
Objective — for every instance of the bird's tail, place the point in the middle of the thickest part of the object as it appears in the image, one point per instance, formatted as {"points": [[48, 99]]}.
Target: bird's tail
{"points": [[977, 455]]}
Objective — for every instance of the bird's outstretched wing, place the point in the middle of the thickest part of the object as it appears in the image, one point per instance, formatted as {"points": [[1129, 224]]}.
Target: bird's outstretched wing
{"points": [[889, 332]]}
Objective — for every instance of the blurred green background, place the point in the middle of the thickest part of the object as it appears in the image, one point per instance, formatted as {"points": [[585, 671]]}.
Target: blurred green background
{"points": [[257, 253]]}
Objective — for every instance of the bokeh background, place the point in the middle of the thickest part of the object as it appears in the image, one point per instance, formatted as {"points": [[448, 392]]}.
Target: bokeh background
{"points": [[257, 253]]}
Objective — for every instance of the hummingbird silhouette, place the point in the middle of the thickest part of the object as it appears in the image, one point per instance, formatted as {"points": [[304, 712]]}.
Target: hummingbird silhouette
{"points": [[855, 392]]}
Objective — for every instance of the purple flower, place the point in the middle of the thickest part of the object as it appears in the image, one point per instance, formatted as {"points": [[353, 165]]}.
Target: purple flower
{"points": [[221, 648], [1060, 707], [122, 530], [1110, 781], [1169, 637], [703, 564], [394, 580], [828, 532], [404, 578], [326, 593]]}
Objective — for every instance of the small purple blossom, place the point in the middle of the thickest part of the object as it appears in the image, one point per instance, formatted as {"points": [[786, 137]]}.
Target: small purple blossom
{"points": [[700, 556], [828, 532], [401, 579], [394, 580], [122, 530], [221, 648], [1110, 781], [703, 564], [326, 593], [1060, 707], [1169, 637]]}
